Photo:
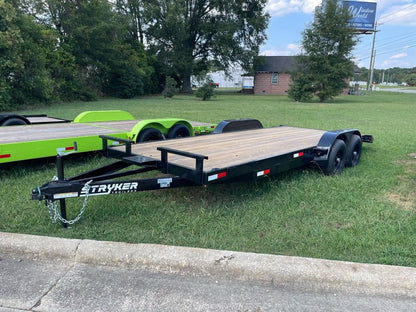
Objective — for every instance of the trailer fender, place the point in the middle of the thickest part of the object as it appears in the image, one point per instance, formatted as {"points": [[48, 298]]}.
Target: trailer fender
{"points": [[327, 141], [164, 126], [237, 125], [105, 115], [13, 120]]}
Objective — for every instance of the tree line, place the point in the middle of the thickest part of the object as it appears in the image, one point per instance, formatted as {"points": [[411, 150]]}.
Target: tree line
{"points": [[392, 75], [62, 50]]}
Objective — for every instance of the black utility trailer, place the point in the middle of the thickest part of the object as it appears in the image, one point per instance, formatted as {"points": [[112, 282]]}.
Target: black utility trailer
{"points": [[209, 159], [19, 120]]}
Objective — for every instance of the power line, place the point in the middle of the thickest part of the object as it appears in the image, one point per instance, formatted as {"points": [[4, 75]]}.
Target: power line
{"points": [[387, 43], [384, 19], [392, 46], [387, 52], [399, 39]]}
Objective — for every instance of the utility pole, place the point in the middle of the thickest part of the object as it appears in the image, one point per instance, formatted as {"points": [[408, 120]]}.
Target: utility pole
{"points": [[373, 56]]}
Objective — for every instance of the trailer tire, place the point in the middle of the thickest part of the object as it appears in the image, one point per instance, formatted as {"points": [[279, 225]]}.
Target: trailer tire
{"points": [[149, 134], [179, 131], [13, 122], [354, 151], [337, 158]]}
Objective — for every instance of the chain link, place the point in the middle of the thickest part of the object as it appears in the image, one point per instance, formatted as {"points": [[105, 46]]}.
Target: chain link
{"points": [[53, 210]]}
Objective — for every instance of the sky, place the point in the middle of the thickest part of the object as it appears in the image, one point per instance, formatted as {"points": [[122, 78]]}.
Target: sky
{"points": [[395, 39]]}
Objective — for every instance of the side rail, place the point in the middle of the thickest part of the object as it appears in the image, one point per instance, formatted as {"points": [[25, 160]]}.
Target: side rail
{"points": [[109, 152], [194, 175]]}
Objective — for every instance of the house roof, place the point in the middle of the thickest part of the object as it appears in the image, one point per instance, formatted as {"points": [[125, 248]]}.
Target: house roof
{"points": [[276, 64]]}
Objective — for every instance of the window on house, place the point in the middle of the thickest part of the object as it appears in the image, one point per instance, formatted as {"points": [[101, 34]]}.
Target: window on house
{"points": [[275, 78]]}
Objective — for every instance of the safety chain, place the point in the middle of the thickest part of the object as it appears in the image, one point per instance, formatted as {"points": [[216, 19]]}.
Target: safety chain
{"points": [[53, 210]]}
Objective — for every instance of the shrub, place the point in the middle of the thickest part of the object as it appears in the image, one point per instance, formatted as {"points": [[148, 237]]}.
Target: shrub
{"points": [[206, 91], [170, 88]]}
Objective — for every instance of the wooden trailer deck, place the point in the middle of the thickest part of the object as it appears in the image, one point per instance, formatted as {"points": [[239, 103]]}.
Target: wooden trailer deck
{"points": [[45, 119], [29, 133], [233, 148]]}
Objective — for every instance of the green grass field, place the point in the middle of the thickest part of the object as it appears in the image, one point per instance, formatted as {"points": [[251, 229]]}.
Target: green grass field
{"points": [[367, 214]]}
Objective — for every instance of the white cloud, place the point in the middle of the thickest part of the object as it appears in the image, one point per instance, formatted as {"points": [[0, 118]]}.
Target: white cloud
{"points": [[399, 56], [397, 60], [280, 8], [381, 4], [399, 15], [273, 52], [291, 49]]}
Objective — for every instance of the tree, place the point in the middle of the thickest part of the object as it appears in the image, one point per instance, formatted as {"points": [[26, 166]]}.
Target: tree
{"points": [[96, 53], [410, 79], [133, 9], [24, 47], [10, 40], [326, 60], [191, 36]]}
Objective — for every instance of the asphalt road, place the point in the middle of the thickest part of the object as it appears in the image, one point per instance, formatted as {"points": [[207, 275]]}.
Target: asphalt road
{"points": [[398, 90]]}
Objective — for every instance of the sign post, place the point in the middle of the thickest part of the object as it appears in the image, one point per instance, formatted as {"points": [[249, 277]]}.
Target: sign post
{"points": [[363, 20]]}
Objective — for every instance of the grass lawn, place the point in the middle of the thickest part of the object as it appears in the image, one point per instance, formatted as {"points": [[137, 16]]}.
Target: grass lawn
{"points": [[367, 214]]}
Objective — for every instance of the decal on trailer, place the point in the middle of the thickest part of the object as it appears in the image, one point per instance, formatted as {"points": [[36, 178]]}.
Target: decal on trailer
{"points": [[164, 182], [217, 176], [64, 149], [263, 172], [297, 155], [65, 195], [113, 188]]}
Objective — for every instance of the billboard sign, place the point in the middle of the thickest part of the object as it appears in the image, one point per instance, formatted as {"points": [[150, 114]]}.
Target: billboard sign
{"points": [[363, 14]]}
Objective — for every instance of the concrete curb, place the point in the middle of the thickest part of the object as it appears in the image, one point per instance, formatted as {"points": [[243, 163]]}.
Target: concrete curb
{"points": [[296, 272]]}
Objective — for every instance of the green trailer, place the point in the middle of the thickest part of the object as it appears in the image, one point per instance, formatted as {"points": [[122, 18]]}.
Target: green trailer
{"points": [[39, 140]]}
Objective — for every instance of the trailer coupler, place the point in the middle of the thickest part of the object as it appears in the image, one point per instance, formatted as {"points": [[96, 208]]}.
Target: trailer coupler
{"points": [[55, 190]]}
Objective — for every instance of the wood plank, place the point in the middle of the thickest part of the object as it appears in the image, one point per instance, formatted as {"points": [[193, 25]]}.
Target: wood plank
{"points": [[234, 148], [44, 119], [29, 133]]}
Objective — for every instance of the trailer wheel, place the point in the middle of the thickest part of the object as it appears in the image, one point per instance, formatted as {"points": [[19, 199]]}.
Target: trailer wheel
{"points": [[354, 151], [179, 131], [149, 134], [13, 122], [336, 159]]}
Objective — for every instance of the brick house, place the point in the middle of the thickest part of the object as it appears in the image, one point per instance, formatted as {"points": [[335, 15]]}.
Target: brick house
{"points": [[272, 76]]}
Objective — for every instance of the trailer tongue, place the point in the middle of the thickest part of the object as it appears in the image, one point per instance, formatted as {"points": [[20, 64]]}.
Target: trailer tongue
{"points": [[206, 160]]}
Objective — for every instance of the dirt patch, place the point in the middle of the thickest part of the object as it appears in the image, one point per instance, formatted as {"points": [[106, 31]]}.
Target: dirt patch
{"points": [[405, 194], [404, 202]]}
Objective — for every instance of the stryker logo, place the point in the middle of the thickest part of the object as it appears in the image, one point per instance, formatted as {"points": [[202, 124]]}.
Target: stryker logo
{"points": [[105, 189]]}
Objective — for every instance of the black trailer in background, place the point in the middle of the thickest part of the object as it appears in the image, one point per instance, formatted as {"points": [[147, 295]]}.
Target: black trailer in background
{"points": [[19, 120]]}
